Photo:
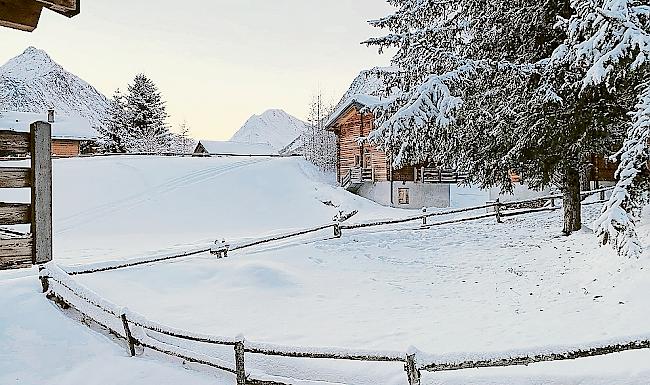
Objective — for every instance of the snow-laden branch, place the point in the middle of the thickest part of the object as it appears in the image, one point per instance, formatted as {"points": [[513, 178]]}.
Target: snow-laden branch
{"points": [[616, 224]]}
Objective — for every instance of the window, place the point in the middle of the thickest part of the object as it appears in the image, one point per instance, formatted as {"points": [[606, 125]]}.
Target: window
{"points": [[403, 196], [357, 161]]}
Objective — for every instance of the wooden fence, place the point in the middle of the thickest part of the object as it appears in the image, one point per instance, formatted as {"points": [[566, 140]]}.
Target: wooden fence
{"points": [[134, 328], [221, 249], [19, 250]]}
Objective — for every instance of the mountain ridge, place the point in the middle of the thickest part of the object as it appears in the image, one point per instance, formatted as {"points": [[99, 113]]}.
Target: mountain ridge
{"points": [[34, 82], [274, 127]]}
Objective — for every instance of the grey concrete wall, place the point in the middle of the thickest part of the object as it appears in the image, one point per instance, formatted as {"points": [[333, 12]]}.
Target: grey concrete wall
{"points": [[420, 194]]}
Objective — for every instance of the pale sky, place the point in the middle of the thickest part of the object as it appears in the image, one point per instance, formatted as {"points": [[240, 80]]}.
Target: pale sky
{"points": [[216, 61]]}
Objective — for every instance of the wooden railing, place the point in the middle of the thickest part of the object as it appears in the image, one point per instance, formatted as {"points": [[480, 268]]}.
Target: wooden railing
{"points": [[436, 175], [19, 250], [135, 329]]}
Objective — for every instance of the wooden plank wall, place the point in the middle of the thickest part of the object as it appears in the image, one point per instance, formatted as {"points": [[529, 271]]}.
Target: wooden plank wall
{"points": [[350, 127]]}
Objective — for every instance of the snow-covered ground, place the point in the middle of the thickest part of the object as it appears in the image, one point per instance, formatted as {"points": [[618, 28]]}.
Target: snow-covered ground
{"points": [[472, 287]]}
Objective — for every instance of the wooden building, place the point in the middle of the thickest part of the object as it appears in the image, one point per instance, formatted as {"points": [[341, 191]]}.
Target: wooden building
{"points": [[365, 170], [69, 133], [213, 147], [24, 14]]}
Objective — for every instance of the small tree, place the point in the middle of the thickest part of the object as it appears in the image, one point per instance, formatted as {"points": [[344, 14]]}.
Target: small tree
{"points": [[318, 144], [183, 143]]}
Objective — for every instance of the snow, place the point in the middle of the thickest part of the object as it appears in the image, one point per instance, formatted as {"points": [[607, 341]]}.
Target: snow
{"points": [[274, 127], [42, 345], [64, 126], [357, 99], [239, 148], [451, 290], [33, 82]]}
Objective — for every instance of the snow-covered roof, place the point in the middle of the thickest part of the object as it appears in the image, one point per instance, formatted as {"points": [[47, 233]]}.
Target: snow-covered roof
{"points": [[354, 100], [237, 148], [64, 127]]}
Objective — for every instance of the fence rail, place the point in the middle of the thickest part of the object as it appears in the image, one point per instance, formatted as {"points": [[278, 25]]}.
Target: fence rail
{"points": [[221, 249], [415, 362]]}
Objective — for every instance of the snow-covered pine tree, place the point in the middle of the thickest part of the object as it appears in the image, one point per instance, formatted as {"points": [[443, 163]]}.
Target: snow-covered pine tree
{"points": [[147, 117], [608, 47], [476, 91], [114, 130]]}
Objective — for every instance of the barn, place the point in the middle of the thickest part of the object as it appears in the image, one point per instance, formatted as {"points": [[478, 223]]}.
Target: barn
{"points": [[69, 132], [213, 147], [365, 170]]}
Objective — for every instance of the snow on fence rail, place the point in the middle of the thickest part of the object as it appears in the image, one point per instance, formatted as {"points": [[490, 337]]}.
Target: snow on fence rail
{"points": [[221, 249], [61, 288]]}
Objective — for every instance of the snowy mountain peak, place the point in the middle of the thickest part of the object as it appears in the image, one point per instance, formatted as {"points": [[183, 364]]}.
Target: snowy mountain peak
{"points": [[33, 82], [32, 62], [274, 127]]}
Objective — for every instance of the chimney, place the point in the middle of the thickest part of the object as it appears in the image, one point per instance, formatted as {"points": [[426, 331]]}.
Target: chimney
{"points": [[50, 115]]}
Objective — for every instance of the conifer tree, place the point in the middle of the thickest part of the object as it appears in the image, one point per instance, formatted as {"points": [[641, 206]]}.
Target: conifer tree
{"points": [[114, 131], [479, 88], [146, 117]]}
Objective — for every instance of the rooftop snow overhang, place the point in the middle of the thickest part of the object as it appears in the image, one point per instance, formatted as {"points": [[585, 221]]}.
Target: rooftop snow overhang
{"points": [[25, 14], [357, 101]]}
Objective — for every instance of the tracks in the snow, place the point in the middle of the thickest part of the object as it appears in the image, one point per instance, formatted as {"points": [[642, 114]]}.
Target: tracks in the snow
{"points": [[73, 221]]}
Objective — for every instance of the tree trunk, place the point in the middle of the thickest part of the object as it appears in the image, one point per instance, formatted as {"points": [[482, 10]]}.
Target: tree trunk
{"points": [[571, 200]]}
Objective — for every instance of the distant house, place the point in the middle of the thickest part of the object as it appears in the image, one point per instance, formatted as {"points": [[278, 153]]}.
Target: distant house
{"points": [[365, 170], [69, 133], [211, 147]]}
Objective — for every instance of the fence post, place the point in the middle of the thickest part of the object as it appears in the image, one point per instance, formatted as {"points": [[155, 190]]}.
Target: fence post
{"points": [[412, 371], [44, 279], [497, 210], [602, 195], [424, 217], [240, 367], [337, 230], [41, 172], [127, 334], [552, 202]]}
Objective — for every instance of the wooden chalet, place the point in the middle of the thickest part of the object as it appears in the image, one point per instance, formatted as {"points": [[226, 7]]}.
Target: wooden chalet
{"points": [[363, 169], [69, 133], [25, 14]]}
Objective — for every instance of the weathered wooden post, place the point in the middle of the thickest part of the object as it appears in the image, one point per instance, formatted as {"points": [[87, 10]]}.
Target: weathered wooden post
{"points": [[552, 202], [602, 195], [424, 217], [497, 210], [337, 230], [412, 371], [45, 284], [41, 173], [128, 335], [240, 366], [222, 250]]}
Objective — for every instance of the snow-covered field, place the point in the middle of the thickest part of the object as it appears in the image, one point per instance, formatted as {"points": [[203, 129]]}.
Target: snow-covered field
{"points": [[472, 287]]}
